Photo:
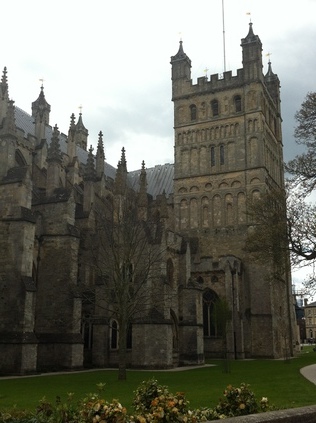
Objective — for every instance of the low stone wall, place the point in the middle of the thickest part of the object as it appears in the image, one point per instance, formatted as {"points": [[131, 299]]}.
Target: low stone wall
{"points": [[291, 415]]}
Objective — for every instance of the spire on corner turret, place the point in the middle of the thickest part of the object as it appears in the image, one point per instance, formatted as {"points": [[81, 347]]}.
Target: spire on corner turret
{"points": [[252, 55], [100, 158], [270, 76], [4, 95], [123, 161], [121, 175], [71, 146], [81, 133], [40, 113], [181, 70], [54, 152], [273, 84], [142, 200], [55, 174], [89, 171], [89, 178], [4, 85]]}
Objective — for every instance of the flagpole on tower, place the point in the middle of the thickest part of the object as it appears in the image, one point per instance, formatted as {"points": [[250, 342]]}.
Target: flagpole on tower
{"points": [[224, 46]]}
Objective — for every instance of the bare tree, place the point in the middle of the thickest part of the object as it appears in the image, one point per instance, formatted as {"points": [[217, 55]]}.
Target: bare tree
{"points": [[284, 227], [303, 167], [126, 250], [222, 316], [302, 182], [267, 238]]}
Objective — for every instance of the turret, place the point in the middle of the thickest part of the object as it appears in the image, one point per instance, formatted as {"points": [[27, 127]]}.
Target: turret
{"points": [[89, 178], [71, 146], [121, 175], [273, 84], [142, 200], [54, 160], [40, 113], [4, 96], [181, 70], [81, 134], [100, 157], [252, 56], [8, 140]]}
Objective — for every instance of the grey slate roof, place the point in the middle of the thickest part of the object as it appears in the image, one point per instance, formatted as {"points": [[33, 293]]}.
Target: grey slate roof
{"points": [[159, 177]]}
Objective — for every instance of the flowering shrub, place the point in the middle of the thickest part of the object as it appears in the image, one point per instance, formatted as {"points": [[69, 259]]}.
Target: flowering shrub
{"points": [[239, 402], [95, 409], [154, 403]]}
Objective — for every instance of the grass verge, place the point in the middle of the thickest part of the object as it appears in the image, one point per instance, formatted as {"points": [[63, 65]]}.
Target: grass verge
{"points": [[278, 380]]}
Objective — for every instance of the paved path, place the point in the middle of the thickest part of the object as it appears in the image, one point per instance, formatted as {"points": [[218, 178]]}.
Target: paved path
{"points": [[309, 372], [174, 369]]}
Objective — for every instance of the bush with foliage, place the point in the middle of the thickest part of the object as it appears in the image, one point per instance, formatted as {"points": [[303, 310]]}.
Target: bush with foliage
{"points": [[95, 409], [153, 403], [240, 402]]}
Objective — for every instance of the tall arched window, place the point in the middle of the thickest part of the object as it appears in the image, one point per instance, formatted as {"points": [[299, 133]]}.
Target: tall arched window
{"points": [[19, 159], [215, 108], [114, 335], [212, 156], [87, 332], [237, 101], [183, 214], [129, 337], [193, 112], [170, 272], [210, 326], [221, 155], [175, 334]]}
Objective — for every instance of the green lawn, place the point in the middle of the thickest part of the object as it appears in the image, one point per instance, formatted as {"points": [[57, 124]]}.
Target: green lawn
{"points": [[278, 380]]}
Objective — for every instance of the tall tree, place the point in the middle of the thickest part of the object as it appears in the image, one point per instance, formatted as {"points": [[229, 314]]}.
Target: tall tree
{"points": [[302, 183], [303, 167], [267, 238], [126, 252]]}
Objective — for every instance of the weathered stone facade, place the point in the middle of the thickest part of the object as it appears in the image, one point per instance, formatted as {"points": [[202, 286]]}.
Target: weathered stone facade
{"points": [[228, 149]]}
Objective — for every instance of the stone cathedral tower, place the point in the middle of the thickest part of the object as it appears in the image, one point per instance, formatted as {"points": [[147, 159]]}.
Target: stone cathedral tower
{"points": [[228, 149], [55, 308]]}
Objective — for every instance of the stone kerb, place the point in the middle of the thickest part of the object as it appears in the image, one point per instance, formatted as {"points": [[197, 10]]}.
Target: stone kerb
{"points": [[292, 415]]}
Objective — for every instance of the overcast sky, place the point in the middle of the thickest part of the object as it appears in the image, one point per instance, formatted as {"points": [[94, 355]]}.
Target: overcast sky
{"points": [[113, 59]]}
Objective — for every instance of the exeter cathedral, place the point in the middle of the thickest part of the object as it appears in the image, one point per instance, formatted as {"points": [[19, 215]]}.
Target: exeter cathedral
{"points": [[227, 150]]}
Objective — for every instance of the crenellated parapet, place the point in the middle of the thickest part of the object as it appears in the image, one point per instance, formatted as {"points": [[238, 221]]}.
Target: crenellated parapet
{"points": [[216, 83]]}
